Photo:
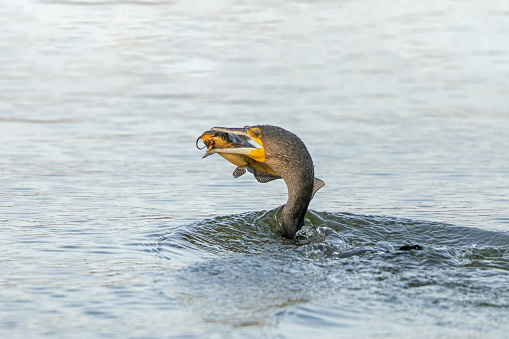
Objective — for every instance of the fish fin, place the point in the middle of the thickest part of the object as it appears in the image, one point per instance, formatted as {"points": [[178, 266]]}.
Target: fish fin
{"points": [[263, 178], [317, 185], [239, 171], [206, 155], [251, 169]]}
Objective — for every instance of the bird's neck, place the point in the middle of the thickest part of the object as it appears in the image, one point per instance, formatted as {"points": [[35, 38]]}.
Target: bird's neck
{"points": [[292, 215]]}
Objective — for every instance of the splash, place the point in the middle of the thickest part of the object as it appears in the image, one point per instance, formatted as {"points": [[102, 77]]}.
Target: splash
{"points": [[247, 275]]}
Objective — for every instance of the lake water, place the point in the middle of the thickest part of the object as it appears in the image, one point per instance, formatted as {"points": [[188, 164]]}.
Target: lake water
{"points": [[111, 224]]}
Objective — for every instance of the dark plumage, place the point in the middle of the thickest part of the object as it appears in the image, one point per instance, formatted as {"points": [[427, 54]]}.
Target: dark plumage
{"points": [[287, 155]]}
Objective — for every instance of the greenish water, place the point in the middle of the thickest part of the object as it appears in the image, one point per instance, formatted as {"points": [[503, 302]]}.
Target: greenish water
{"points": [[111, 224]]}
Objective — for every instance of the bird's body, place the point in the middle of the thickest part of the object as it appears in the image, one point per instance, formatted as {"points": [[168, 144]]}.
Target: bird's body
{"points": [[286, 155]]}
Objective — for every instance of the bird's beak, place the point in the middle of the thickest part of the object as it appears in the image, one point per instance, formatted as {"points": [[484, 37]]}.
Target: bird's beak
{"points": [[242, 132], [254, 153]]}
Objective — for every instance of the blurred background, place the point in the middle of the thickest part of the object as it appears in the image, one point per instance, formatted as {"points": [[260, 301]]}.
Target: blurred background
{"points": [[403, 105], [401, 102]]}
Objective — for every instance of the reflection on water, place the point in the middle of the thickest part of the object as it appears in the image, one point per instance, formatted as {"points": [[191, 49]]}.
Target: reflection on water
{"points": [[113, 226]]}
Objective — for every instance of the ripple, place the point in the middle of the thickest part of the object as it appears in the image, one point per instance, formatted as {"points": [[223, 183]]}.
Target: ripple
{"points": [[237, 270]]}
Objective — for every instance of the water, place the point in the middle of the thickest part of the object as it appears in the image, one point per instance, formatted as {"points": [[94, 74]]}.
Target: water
{"points": [[113, 226]]}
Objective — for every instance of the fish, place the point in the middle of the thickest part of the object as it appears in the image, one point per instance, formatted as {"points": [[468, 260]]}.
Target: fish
{"points": [[262, 172], [215, 139]]}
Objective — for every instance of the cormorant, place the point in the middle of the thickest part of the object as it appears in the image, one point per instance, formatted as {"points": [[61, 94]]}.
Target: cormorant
{"points": [[287, 155]]}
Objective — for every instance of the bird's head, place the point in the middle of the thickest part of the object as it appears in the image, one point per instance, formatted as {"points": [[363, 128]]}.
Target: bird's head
{"points": [[254, 133], [278, 148], [286, 155]]}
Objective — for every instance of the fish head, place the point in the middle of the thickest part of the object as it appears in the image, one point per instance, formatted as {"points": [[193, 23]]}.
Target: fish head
{"points": [[217, 140], [245, 134], [213, 139]]}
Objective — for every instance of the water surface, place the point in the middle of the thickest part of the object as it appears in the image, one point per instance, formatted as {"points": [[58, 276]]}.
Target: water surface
{"points": [[113, 226]]}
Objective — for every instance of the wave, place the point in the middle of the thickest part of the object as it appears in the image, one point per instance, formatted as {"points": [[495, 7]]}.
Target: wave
{"points": [[337, 234], [238, 271]]}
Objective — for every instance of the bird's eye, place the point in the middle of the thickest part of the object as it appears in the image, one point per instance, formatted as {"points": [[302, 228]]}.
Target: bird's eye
{"points": [[257, 133]]}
